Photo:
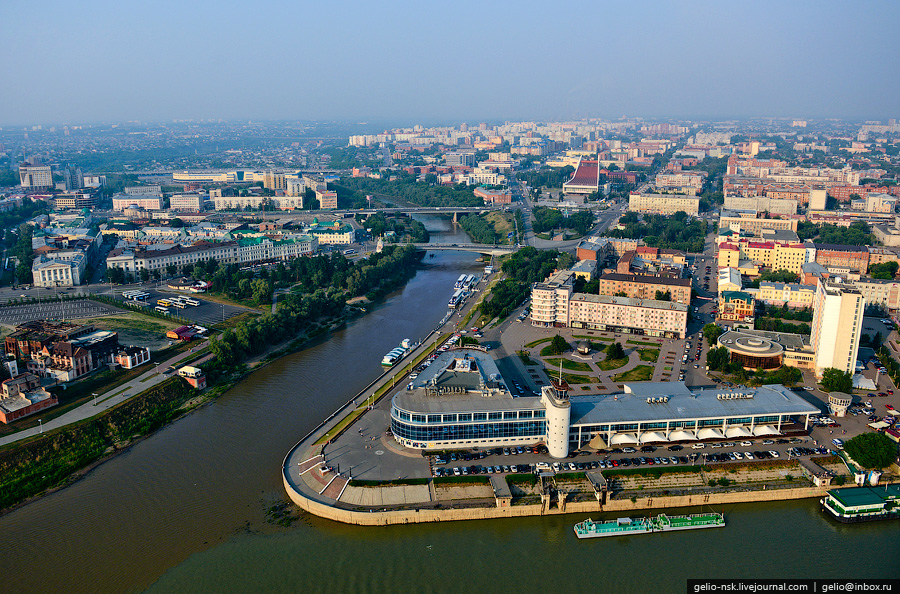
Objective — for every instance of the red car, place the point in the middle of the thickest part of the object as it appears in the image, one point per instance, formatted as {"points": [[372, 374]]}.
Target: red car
{"points": [[889, 407]]}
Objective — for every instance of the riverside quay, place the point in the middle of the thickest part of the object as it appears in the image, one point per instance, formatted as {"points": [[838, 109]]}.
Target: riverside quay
{"points": [[462, 401]]}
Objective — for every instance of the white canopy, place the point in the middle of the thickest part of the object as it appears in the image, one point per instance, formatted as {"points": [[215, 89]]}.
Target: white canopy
{"points": [[878, 425], [620, 438], [682, 436], [710, 433], [652, 436], [737, 431], [765, 430]]}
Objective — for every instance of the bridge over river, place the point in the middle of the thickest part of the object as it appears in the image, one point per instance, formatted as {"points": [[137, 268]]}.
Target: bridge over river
{"points": [[481, 248]]}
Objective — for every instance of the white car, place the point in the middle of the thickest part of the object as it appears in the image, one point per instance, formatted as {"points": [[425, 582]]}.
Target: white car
{"points": [[746, 444], [773, 453]]}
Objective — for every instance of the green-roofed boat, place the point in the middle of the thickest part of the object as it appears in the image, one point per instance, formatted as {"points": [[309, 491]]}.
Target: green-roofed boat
{"points": [[661, 523], [863, 504]]}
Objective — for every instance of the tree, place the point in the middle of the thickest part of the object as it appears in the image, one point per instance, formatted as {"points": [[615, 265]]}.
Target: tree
{"points": [[565, 261], [718, 359], [145, 274], [885, 270], [615, 351], [872, 450], [558, 345], [660, 296], [835, 380], [176, 223], [712, 333], [171, 269]]}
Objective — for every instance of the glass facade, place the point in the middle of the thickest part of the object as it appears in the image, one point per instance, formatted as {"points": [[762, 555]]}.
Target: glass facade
{"points": [[430, 433]]}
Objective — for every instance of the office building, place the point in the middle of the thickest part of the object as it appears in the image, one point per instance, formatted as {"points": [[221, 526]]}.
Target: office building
{"points": [[35, 177], [837, 325]]}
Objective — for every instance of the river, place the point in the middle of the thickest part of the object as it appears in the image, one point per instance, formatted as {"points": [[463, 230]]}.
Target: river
{"points": [[184, 510]]}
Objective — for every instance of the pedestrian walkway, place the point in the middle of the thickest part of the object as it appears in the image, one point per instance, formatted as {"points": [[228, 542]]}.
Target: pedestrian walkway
{"points": [[110, 398]]}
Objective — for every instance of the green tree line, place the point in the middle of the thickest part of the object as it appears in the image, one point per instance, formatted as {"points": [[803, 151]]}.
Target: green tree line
{"points": [[677, 232], [406, 188]]}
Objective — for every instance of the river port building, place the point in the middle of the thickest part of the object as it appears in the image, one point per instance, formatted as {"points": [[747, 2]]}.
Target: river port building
{"points": [[462, 401], [863, 504]]}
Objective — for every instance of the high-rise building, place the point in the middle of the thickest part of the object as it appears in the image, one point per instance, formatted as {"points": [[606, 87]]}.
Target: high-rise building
{"points": [[837, 324], [73, 177], [35, 176]]}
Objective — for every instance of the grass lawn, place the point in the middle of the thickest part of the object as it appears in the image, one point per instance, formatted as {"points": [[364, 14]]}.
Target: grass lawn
{"points": [[641, 373], [649, 354], [613, 364], [233, 321], [570, 365], [534, 343], [667, 368], [573, 379]]}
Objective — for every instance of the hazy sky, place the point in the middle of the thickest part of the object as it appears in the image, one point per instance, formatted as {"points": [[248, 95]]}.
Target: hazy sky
{"points": [[441, 61]]}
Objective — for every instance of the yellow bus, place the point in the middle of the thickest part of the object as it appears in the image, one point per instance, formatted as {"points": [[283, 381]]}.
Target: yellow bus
{"points": [[164, 302]]}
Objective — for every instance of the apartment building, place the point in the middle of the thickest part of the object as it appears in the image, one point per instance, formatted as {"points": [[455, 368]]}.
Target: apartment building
{"points": [[133, 260], [755, 225], [328, 200], [663, 204], [644, 317], [77, 200], [762, 204], [842, 259], [883, 292], [550, 300], [643, 286]]}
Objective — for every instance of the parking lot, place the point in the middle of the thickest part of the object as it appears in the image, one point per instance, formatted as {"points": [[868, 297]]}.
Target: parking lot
{"points": [[205, 314], [62, 310]]}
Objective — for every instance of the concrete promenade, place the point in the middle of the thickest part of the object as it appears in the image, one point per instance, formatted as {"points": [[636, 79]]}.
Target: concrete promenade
{"points": [[102, 402]]}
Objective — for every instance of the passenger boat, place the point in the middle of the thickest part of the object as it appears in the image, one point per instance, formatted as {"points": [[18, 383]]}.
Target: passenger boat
{"points": [[863, 504], [661, 523], [394, 355]]}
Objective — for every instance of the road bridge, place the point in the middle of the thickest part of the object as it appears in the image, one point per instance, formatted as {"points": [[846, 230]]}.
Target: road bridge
{"points": [[481, 248]]}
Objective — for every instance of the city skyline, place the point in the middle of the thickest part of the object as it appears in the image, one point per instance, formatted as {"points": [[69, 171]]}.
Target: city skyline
{"points": [[354, 61]]}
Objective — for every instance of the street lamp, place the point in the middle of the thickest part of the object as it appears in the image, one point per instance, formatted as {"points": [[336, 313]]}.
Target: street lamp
{"points": [[94, 394], [41, 424]]}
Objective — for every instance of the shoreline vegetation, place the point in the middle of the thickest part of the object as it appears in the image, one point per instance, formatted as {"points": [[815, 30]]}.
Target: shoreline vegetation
{"points": [[34, 467]]}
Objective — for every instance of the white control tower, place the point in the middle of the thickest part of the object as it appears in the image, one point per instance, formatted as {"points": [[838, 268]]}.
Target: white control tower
{"points": [[555, 399]]}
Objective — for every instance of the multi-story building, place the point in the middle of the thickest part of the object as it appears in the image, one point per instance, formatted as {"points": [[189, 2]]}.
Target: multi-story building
{"points": [[328, 200], [145, 201], [35, 177], [682, 182], [597, 250], [761, 204], [154, 190], [295, 186], [264, 249], [460, 159], [133, 260], [790, 294], [75, 200], [755, 225], [737, 306], [664, 203], [837, 325], [550, 300], [842, 259], [875, 202], [645, 286], [334, 233], [64, 269], [23, 395], [494, 196], [646, 317], [186, 202], [883, 292]]}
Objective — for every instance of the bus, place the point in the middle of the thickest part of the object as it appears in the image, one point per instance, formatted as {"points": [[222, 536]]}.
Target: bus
{"points": [[135, 295], [191, 301], [164, 303], [178, 303], [161, 309], [349, 252]]}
